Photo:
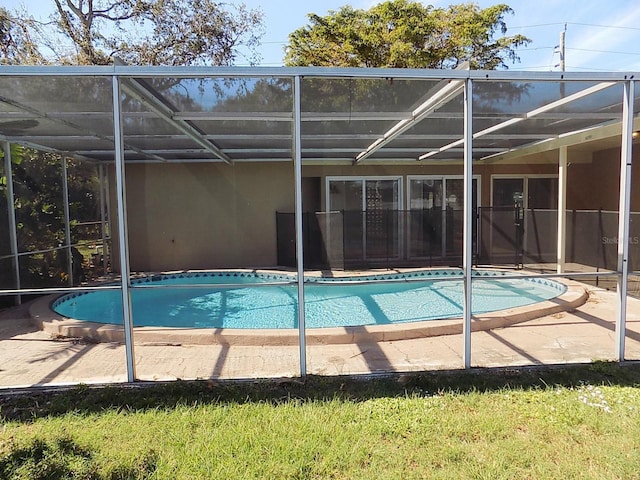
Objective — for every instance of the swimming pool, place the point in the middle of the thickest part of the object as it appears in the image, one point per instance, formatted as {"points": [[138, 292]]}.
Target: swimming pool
{"points": [[236, 300]]}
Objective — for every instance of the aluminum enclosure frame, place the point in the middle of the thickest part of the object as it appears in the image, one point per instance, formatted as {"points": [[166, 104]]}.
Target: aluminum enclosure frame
{"points": [[118, 73]]}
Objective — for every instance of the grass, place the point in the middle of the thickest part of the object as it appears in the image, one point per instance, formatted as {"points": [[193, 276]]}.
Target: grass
{"points": [[573, 422]]}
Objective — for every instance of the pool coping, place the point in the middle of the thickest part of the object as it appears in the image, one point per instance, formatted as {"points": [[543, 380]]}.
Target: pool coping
{"points": [[45, 318]]}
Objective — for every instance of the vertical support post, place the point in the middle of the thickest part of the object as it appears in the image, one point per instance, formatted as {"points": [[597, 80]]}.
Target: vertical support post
{"points": [[13, 233], [103, 231], [467, 246], [443, 220], [108, 232], [67, 220], [122, 230], [297, 163], [624, 216], [561, 250]]}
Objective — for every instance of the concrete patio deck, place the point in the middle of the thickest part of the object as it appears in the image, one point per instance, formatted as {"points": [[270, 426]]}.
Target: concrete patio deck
{"points": [[29, 356]]}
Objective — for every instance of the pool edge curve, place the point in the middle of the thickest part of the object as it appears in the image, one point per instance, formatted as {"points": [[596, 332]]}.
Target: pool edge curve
{"points": [[57, 325]]}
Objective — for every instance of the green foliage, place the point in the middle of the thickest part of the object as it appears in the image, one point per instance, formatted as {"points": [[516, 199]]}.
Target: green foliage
{"points": [[17, 45], [406, 34], [144, 32], [62, 458], [39, 210], [41, 460], [571, 422]]}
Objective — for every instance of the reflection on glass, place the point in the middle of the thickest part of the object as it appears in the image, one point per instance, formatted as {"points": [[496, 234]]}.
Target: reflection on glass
{"points": [[345, 195], [425, 203], [436, 207], [382, 219], [224, 94], [364, 94], [542, 193], [454, 219], [508, 192]]}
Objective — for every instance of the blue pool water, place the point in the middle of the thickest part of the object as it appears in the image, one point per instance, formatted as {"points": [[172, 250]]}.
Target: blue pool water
{"points": [[228, 302]]}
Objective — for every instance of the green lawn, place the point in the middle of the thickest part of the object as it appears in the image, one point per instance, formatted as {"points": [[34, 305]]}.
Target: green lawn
{"points": [[576, 422]]}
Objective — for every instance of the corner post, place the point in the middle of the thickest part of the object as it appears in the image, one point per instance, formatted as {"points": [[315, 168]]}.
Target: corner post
{"points": [[297, 162], [467, 248], [122, 231], [561, 249], [624, 216]]}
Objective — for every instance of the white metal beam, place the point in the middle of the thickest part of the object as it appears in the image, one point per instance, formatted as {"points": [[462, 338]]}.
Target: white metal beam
{"points": [[306, 116], [562, 209], [467, 244], [533, 113], [624, 209], [141, 93], [297, 162], [290, 72], [123, 238], [444, 95]]}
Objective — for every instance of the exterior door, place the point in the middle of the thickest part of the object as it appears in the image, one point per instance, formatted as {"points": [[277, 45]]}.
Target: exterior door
{"points": [[425, 217], [371, 220], [436, 213]]}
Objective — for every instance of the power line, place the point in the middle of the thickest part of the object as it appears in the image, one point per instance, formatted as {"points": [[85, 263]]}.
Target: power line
{"points": [[595, 68], [544, 68], [603, 51], [574, 23], [604, 26], [535, 48], [538, 25]]}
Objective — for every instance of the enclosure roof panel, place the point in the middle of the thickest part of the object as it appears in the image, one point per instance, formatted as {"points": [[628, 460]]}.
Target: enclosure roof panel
{"points": [[242, 114]]}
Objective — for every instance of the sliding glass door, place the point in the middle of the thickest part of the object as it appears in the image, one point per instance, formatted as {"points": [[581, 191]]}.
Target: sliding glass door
{"points": [[371, 222], [436, 216]]}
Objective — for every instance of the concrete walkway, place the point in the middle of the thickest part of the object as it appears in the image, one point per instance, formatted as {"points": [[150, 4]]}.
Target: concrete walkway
{"points": [[29, 356]]}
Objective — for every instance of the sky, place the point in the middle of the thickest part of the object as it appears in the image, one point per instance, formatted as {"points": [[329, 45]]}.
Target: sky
{"points": [[601, 35]]}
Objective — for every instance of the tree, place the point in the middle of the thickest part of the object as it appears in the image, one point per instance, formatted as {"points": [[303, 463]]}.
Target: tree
{"points": [[141, 32], [406, 34], [16, 43], [93, 32]]}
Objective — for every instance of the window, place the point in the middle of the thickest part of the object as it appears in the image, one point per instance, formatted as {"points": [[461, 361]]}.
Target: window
{"points": [[525, 192]]}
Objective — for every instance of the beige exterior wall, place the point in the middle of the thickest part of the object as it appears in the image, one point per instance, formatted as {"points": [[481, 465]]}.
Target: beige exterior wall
{"points": [[198, 216], [596, 185]]}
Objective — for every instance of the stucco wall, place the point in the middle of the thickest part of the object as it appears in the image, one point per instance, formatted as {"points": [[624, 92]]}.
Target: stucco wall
{"points": [[196, 216], [599, 181]]}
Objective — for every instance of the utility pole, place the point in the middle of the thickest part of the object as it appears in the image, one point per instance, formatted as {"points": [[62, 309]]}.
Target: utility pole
{"points": [[562, 48]]}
